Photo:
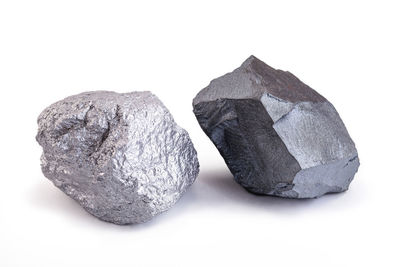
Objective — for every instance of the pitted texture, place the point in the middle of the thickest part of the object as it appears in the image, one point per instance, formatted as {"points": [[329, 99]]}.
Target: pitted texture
{"points": [[277, 135], [121, 156]]}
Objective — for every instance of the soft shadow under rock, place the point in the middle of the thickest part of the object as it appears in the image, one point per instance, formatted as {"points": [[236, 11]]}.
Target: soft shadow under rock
{"points": [[217, 188], [46, 196], [214, 189]]}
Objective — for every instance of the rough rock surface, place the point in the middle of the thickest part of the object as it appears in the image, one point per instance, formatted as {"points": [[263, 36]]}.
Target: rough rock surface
{"points": [[121, 156], [277, 135]]}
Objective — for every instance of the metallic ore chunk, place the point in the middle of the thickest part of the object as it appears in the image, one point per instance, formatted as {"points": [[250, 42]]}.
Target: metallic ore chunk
{"points": [[121, 156], [277, 135]]}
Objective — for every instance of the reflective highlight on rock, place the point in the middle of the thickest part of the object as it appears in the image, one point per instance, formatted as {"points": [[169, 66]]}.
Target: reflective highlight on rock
{"points": [[276, 134], [122, 157]]}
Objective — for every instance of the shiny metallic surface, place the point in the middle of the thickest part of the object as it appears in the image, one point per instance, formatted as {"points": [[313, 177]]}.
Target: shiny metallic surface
{"points": [[122, 157], [276, 134]]}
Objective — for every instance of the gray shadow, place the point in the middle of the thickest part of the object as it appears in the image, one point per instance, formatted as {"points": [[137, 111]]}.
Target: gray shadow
{"points": [[213, 189], [216, 189], [46, 196]]}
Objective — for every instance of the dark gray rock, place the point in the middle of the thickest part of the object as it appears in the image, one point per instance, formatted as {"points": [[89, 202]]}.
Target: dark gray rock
{"points": [[121, 156], [277, 135]]}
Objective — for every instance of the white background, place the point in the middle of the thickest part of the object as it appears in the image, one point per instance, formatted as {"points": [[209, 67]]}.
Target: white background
{"points": [[346, 50]]}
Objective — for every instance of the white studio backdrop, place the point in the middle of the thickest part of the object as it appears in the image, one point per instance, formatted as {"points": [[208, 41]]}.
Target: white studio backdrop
{"points": [[346, 50]]}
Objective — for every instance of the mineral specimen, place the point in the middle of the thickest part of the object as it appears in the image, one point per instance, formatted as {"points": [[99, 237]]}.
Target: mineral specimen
{"points": [[277, 135], [120, 156]]}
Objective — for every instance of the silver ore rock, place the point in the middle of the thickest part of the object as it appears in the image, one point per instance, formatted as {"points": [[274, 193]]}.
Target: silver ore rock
{"points": [[122, 157], [277, 135]]}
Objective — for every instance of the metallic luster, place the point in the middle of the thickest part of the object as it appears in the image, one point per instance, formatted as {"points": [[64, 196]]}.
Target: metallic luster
{"points": [[277, 135], [122, 157]]}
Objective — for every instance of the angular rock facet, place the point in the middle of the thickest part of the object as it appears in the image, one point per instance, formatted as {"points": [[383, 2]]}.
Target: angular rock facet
{"points": [[277, 135], [121, 156]]}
